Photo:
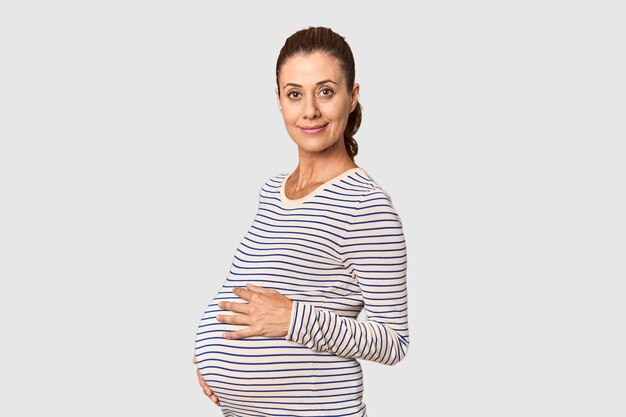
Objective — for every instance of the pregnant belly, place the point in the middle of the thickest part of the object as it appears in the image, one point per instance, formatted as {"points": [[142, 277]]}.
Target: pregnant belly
{"points": [[253, 373], [272, 376]]}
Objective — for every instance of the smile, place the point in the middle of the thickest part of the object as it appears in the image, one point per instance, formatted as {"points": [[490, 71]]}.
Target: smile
{"points": [[314, 130]]}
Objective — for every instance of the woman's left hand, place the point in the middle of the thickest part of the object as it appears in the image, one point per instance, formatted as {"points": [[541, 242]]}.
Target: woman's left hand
{"points": [[268, 312]]}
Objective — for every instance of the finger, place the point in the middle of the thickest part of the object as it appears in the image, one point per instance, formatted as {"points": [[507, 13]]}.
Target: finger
{"points": [[212, 396], [202, 382], [194, 359], [258, 288], [234, 306], [234, 318], [243, 292], [201, 379], [209, 392], [247, 332]]}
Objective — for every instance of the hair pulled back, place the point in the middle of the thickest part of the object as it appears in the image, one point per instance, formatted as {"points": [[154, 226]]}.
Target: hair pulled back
{"points": [[322, 39]]}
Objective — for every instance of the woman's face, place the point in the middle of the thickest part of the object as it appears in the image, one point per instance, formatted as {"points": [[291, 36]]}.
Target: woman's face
{"points": [[313, 93]]}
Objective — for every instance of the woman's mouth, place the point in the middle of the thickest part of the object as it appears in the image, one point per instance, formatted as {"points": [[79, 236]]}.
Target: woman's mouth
{"points": [[313, 129]]}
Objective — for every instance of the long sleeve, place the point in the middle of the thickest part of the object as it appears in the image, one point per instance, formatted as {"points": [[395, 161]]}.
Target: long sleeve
{"points": [[373, 250]]}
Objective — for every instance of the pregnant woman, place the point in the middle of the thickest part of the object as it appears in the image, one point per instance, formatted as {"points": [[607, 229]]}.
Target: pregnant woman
{"points": [[281, 337]]}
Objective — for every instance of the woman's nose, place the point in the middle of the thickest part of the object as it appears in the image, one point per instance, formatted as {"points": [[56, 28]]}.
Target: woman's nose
{"points": [[310, 107]]}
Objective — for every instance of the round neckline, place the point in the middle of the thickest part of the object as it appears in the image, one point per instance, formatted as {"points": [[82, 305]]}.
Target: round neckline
{"points": [[287, 201]]}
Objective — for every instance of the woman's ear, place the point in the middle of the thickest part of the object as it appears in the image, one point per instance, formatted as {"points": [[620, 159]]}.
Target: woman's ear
{"points": [[355, 96]]}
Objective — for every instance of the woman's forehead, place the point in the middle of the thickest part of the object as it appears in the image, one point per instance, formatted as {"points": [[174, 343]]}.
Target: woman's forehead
{"points": [[310, 69]]}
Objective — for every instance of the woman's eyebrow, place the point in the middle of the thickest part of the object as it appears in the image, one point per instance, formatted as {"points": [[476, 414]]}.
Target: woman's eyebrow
{"points": [[317, 83]]}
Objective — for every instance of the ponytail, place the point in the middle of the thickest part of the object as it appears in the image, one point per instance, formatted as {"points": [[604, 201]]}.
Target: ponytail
{"points": [[352, 126]]}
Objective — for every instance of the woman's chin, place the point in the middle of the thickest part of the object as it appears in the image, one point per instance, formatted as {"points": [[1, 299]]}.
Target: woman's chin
{"points": [[312, 147], [313, 143]]}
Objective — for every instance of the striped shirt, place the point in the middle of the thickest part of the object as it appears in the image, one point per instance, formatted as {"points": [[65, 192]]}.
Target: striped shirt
{"points": [[336, 251]]}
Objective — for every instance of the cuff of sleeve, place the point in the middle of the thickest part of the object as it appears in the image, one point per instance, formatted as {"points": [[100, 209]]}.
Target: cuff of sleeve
{"points": [[298, 311]]}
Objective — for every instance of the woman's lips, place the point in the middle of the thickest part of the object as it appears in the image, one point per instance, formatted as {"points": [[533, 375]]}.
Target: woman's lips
{"points": [[314, 130]]}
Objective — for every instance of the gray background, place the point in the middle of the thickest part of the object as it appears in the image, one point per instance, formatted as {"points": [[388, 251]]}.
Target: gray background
{"points": [[135, 136]]}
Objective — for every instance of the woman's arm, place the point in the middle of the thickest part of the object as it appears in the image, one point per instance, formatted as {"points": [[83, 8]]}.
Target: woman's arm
{"points": [[374, 251]]}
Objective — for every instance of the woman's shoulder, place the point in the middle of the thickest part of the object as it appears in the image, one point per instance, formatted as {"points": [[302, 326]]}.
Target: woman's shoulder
{"points": [[270, 186], [375, 201], [371, 188], [274, 180]]}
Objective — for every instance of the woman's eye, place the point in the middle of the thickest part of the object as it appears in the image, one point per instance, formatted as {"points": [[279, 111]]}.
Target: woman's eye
{"points": [[295, 94]]}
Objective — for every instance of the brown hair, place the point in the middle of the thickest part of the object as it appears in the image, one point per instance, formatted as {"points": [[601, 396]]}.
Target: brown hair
{"points": [[322, 39]]}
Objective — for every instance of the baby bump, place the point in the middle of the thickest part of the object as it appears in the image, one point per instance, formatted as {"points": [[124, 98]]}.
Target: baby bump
{"points": [[254, 371]]}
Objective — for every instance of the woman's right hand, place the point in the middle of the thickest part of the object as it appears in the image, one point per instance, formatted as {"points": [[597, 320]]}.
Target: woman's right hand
{"points": [[207, 391]]}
